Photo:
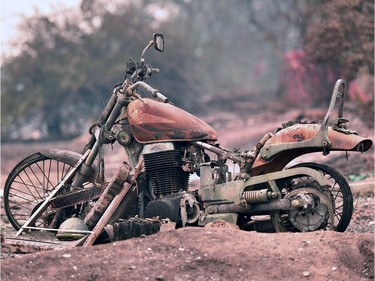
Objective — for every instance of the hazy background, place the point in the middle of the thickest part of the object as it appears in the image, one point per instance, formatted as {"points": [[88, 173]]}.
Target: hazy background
{"points": [[12, 13], [60, 58]]}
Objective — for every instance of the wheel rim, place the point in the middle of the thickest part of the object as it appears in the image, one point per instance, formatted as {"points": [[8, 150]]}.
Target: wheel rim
{"points": [[337, 198]]}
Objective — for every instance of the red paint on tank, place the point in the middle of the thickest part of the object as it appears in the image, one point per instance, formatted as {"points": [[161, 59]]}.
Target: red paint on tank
{"points": [[153, 121]]}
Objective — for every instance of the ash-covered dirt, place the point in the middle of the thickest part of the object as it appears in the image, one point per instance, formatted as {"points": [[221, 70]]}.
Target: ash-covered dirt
{"points": [[207, 254]]}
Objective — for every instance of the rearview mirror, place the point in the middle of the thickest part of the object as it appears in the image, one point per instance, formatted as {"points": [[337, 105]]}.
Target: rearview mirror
{"points": [[159, 42]]}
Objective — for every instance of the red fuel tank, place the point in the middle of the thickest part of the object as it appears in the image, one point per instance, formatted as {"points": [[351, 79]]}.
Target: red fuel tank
{"points": [[153, 121]]}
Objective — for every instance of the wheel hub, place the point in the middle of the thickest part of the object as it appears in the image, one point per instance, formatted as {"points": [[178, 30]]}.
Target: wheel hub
{"points": [[315, 212]]}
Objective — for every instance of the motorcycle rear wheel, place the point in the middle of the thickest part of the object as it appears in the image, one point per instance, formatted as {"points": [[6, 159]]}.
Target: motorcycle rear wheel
{"points": [[340, 193], [30, 183]]}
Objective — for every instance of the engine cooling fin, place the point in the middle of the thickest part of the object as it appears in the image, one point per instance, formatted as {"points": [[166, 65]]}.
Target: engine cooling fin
{"points": [[165, 172]]}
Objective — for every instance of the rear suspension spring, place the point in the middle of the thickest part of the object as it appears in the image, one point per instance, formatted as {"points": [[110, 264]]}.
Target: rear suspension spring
{"points": [[257, 196]]}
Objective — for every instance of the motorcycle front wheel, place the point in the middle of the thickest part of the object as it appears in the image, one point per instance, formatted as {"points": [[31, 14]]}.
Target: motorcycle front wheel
{"points": [[30, 183]]}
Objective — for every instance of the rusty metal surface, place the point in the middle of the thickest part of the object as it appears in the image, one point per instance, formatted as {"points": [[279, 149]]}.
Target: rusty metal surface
{"points": [[152, 121], [341, 141], [279, 204], [66, 156], [300, 139], [121, 176], [312, 217], [37, 241], [115, 203], [26, 246], [232, 192], [299, 134]]}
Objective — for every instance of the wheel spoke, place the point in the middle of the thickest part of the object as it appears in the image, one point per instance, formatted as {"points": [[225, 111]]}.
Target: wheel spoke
{"points": [[25, 200], [28, 186], [17, 206], [338, 214], [45, 177], [18, 191]]}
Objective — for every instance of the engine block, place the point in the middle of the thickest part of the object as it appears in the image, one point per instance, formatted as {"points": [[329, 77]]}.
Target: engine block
{"points": [[164, 170]]}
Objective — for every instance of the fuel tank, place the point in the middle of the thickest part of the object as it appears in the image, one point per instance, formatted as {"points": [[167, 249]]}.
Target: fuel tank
{"points": [[153, 121]]}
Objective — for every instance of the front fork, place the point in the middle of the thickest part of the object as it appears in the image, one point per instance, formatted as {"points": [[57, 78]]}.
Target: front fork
{"points": [[108, 117]]}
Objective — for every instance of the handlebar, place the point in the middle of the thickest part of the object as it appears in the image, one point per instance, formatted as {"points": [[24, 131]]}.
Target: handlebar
{"points": [[138, 71], [155, 70], [149, 70], [154, 92], [160, 97]]}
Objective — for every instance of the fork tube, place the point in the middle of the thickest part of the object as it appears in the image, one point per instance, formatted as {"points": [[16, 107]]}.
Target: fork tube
{"points": [[120, 103], [103, 118], [84, 171], [108, 108], [115, 112]]}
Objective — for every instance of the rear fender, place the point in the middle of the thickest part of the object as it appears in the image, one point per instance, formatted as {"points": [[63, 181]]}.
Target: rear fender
{"points": [[301, 139]]}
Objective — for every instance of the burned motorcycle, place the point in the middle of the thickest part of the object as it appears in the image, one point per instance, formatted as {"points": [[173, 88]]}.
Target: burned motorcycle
{"points": [[164, 146]]}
